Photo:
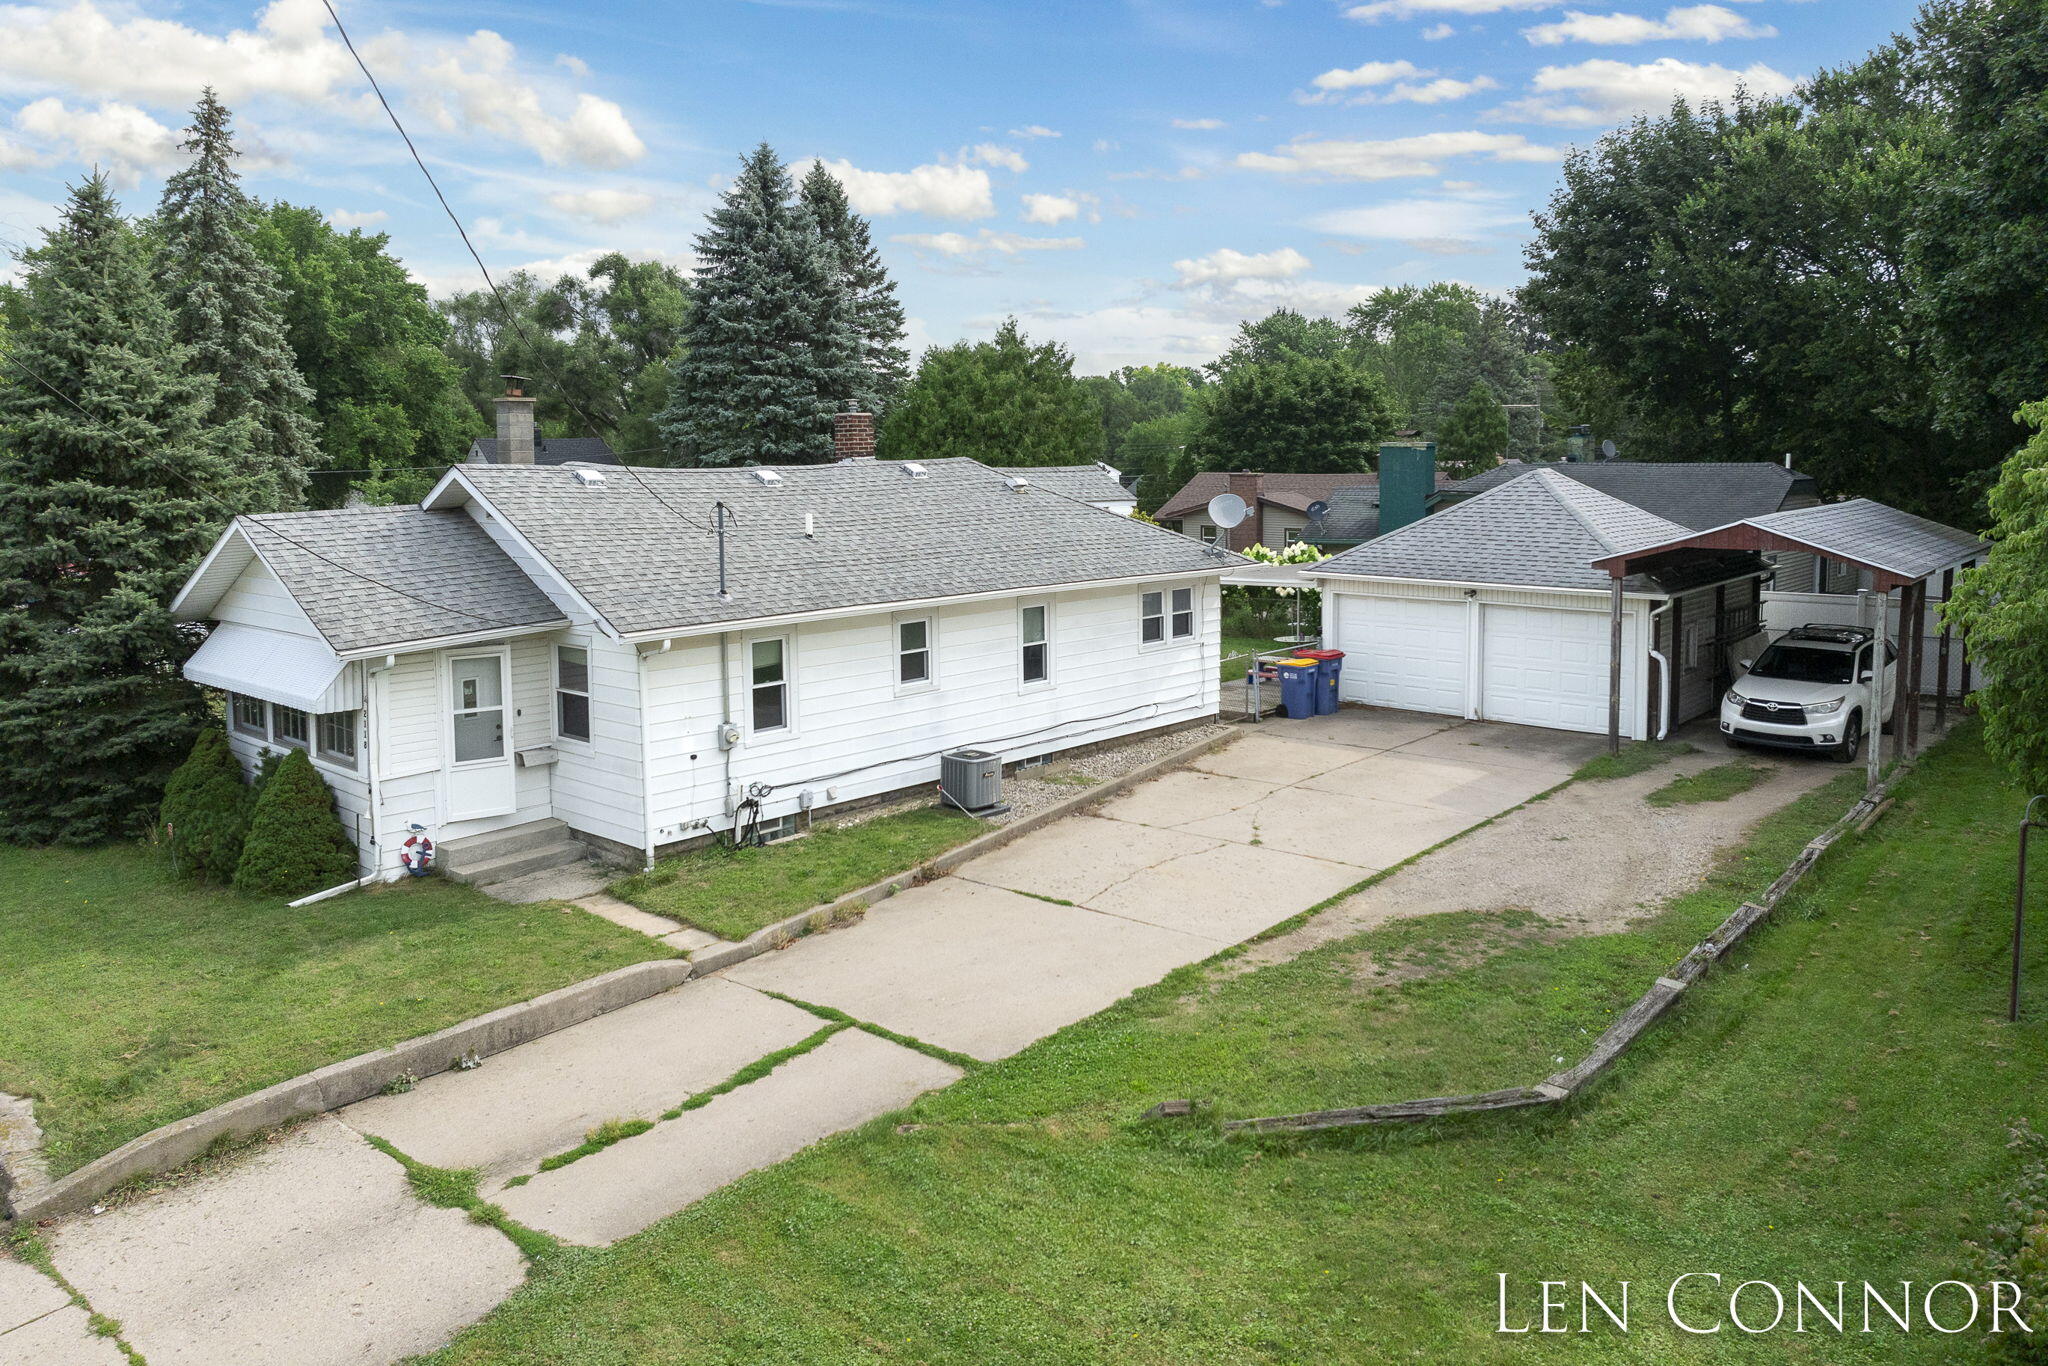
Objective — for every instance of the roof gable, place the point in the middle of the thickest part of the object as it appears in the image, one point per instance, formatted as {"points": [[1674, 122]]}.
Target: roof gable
{"points": [[639, 546]]}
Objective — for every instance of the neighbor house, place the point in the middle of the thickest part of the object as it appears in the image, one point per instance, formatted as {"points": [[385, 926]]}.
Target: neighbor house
{"points": [[517, 444], [1491, 609], [637, 657]]}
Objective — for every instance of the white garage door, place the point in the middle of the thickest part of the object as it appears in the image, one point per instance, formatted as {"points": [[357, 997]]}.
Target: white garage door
{"points": [[1545, 667], [1402, 652]]}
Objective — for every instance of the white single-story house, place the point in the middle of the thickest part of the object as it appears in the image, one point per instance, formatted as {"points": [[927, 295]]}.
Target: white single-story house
{"points": [[640, 653], [1491, 609]]}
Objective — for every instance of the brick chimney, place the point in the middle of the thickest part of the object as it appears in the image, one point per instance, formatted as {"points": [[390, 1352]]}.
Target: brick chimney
{"points": [[1245, 485], [515, 423], [853, 436]]}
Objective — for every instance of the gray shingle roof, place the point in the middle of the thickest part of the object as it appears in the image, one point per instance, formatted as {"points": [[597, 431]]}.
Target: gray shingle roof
{"points": [[1089, 483], [640, 550], [551, 450], [1696, 495], [1540, 531], [1873, 533], [442, 557], [1353, 515], [1288, 490]]}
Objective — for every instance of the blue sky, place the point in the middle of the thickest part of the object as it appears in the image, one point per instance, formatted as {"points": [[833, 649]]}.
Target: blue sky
{"points": [[1130, 177]]}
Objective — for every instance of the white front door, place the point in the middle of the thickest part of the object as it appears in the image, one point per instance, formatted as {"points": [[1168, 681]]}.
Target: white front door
{"points": [[477, 776], [1411, 653]]}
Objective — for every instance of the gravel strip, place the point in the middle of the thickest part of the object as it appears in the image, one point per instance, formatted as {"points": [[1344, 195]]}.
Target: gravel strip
{"points": [[1035, 789]]}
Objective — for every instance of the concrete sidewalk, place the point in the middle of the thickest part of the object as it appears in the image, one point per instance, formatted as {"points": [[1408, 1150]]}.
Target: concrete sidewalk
{"points": [[313, 1251]]}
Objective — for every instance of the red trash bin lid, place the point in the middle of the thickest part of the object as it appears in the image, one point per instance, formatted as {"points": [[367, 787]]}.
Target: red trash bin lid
{"points": [[1320, 654]]}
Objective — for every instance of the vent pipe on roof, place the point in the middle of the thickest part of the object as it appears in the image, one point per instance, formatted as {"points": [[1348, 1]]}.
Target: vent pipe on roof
{"points": [[811, 526]]}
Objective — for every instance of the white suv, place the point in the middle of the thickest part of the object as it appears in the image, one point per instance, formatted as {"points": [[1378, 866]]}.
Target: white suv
{"points": [[1813, 688]]}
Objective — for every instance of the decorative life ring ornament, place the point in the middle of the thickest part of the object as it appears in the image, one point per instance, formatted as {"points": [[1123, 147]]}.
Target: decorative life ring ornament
{"points": [[417, 853]]}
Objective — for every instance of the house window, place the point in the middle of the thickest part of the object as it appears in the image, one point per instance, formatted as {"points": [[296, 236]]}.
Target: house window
{"points": [[290, 726], [914, 652], [246, 713], [1291, 535], [1183, 613], [337, 735], [1151, 618], [1031, 632], [769, 687], [1211, 533], [572, 693]]}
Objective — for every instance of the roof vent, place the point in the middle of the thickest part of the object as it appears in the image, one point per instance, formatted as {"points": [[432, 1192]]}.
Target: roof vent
{"points": [[767, 476], [1017, 483], [914, 470], [590, 479]]}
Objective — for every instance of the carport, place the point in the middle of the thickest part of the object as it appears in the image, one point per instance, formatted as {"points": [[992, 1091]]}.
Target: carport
{"points": [[1892, 548]]}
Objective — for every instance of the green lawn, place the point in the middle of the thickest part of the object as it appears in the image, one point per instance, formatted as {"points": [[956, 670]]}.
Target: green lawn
{"points": [[1716, 784], [1829, 1105], [733, 892], [1637, 756], [133, 999], [1234, 650]]}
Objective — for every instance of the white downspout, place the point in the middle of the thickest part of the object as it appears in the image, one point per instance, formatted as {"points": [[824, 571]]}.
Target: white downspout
{"points": [[1663, 670], [646, 763]]}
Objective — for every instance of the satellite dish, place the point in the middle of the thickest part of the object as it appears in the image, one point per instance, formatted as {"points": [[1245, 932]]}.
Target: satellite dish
{"points": [[1607, 450], [1317, 510], [1227, 509]]}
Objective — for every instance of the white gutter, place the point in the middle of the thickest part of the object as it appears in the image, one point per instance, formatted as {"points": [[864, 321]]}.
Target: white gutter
{"points": [[401, 647], [666, 633], [1600, 593], [1663, 669]]}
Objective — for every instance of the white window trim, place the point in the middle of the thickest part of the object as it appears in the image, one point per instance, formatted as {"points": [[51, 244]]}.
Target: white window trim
{"points": [[930, 681], [1194, 631], [1165, 617], [556, 690], [1051, 661], [790, 718], [328, 758], [261, 731], [1208, 533], [277, 737]]}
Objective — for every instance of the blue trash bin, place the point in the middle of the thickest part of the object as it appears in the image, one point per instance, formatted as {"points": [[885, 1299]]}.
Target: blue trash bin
{"points": [[1298, 679], [1329, 665]]}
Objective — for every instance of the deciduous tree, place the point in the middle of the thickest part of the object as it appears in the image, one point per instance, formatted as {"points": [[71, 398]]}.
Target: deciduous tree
{"points": [[1303, 415], [1003, 402]]}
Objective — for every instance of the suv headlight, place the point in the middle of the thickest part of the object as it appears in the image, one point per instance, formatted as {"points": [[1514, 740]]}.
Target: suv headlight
{"points": [[1825, 708], [1736, 699]]}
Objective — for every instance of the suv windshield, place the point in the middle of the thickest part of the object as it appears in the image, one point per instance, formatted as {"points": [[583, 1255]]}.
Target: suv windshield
{"points": [[1803, 664]]}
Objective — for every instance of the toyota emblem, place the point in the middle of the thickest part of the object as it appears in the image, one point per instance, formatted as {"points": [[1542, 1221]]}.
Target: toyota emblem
{"points": [[1770, 706]]}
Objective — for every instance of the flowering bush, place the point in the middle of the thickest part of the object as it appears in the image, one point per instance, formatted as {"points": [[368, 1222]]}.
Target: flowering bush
{"points": [[1271, 611]]}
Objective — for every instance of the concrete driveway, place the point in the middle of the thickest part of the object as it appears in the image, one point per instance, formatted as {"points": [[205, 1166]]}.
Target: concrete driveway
{"points": [[313, 1252]]}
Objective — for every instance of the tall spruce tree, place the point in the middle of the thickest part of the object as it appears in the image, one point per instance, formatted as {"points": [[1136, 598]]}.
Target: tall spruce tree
{"points": [[769, 348], [112, 484], [871, 294], [228, 308]]}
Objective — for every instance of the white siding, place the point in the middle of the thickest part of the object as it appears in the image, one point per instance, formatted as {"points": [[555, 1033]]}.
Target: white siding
{"points": [[855, 734], [1276, 522], [258, 599], [597, 782], [351, 786]]}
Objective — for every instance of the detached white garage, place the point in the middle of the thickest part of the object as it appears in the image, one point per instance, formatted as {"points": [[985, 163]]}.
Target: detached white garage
{"points": [[1492, 610]]}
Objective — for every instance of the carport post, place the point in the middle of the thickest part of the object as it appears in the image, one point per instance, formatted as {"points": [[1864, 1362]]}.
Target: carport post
{"points": [[1870, 611], [1614, 665], [1948, 588]]}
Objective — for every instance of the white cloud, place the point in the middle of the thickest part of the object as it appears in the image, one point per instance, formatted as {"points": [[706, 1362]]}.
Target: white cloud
{"points": [[960, 192], [1367, 74], [1199, 125], [1436, 33], [601, 206], [1438, 225], [1225, 265], [470, 85], [345, 219], [1406, 84], [1408, 9], [980, 245], [1033, 130], [1050, 208], [1604, 91], [575, 66], [123, 138], [1391, 158], [1703, 23], [991, 154], [1101, 145]]}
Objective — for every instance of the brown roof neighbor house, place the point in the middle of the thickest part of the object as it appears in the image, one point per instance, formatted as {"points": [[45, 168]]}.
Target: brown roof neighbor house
{"points": [[1279, 503]]}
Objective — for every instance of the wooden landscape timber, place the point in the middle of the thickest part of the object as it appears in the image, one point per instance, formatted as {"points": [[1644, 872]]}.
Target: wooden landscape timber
{"points": [[1612, 1043]]}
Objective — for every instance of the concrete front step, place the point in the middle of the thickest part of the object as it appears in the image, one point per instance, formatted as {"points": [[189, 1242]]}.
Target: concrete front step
{"points": [[469, 850], [560, 853]]}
